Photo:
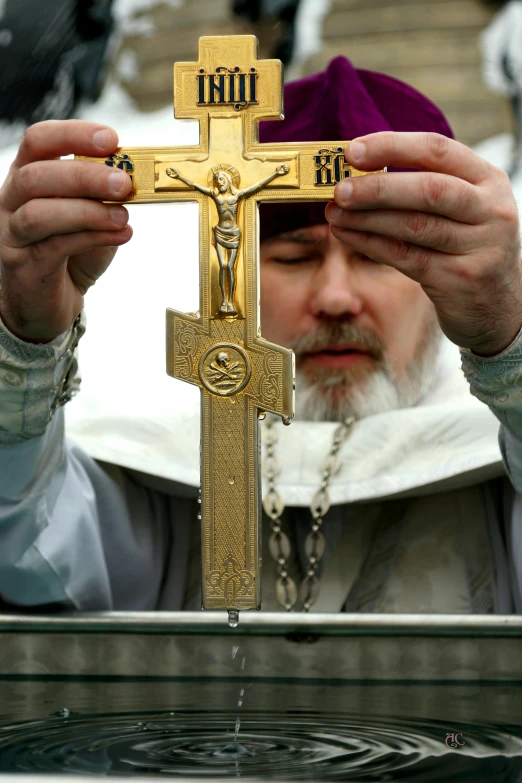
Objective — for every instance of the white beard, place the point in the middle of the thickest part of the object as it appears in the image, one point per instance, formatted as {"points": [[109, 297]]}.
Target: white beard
{"points": [[381, 391]]}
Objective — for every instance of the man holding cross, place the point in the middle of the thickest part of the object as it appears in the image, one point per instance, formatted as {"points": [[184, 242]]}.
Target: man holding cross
{"points": [[420, 515]]}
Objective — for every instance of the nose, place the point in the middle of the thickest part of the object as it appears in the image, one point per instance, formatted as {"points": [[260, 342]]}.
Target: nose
{"points": [[336, 286]]}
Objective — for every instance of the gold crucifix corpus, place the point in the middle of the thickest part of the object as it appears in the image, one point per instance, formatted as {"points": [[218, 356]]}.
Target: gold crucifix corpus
{"points": [[220, 349]]}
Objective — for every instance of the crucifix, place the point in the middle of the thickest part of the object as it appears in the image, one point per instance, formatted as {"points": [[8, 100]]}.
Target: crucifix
{"points": [[220, 349]]}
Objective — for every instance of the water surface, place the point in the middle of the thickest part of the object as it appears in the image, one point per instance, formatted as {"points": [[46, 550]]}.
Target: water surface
{"points": [[314, 732]]}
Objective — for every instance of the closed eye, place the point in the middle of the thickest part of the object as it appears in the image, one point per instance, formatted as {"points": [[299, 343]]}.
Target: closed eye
{"points": [[292, 259], [296, 254]]}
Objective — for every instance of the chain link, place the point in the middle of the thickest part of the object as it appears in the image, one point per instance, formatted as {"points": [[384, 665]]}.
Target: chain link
{"points": [[315, 545]]}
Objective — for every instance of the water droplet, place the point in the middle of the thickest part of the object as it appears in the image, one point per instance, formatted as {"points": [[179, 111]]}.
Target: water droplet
{"points": [[172, 713], [240, 702], [63, 713], [234, 749], [232, 479], [238, 724], [235, 649], [243, 662], [233, 618], [241, 693]]}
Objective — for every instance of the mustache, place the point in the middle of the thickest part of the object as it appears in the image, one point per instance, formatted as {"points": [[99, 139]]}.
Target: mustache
{"points": [[333, 333]]}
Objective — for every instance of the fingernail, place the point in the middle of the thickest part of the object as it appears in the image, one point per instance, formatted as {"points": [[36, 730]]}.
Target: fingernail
{"points": [[102, 138], [344, 191], [118, 216], [333, 213], [117, 181], [357, 150]]}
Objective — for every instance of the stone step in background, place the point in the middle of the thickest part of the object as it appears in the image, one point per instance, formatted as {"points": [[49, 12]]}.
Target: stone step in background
{"points": [[432, 44], [144, 61]]}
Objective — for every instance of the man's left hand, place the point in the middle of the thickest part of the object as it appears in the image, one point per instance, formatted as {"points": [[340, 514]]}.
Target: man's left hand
{"points": [[453, 227]]}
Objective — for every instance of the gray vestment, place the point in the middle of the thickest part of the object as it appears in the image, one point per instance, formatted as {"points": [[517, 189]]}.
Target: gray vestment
{"points": [[82, 535]]}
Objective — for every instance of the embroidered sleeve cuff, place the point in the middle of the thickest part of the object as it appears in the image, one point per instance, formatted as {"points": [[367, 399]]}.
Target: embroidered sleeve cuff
{"points": [[35, 379], [497, 381]]}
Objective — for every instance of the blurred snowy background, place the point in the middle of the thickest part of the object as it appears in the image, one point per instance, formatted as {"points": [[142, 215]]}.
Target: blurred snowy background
{"points": [[111, 61]]}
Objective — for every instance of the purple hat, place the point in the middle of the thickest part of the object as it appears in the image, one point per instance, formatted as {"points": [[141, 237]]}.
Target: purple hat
{"points": [[342, 103]]}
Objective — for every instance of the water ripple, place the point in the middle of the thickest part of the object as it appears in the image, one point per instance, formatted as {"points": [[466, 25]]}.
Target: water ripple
{"points": [[293, 746]]}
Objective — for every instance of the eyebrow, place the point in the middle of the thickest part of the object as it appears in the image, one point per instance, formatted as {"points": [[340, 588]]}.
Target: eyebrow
{"points": [[297, 236]]}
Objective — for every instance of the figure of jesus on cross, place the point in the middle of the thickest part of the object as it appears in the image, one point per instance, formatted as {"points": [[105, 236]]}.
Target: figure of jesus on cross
{"points": [[227, 234]]}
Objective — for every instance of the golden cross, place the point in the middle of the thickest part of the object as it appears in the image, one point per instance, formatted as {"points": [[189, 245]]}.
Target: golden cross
{"points": [[220, 349]]}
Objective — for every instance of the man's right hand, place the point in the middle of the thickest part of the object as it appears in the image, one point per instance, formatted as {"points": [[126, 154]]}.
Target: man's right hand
{"points": [[56, 237]]}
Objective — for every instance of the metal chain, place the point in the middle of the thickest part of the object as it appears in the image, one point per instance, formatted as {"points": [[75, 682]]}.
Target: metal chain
{"points": [[279, 543]]}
